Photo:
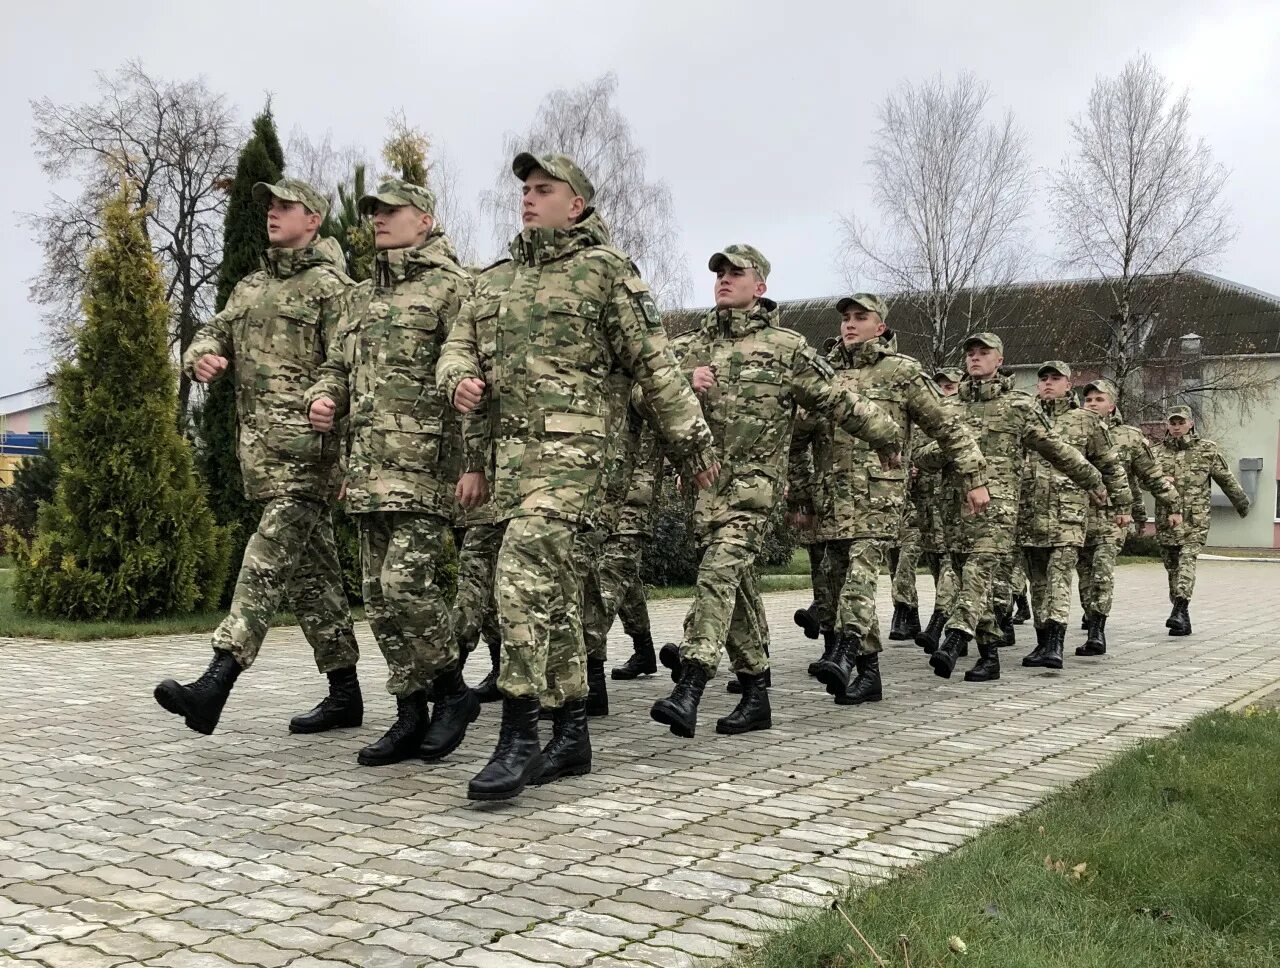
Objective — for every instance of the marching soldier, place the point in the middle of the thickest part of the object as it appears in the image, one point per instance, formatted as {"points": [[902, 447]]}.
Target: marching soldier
{"points": [[620, 583], [925, 495]]}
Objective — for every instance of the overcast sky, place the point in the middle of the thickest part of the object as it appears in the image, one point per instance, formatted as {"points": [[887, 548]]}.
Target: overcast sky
{"points": [[758, 115]]}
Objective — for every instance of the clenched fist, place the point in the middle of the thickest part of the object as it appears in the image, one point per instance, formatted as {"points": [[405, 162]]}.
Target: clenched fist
{"points": [[321, 416], [209, 367]]}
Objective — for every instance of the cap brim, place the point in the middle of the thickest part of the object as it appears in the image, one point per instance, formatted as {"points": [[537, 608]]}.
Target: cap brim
{"points": [[1051, 369], [720, 258], [366, 204], [524, 163], [848, 301], [979, 342], [262, 191]]}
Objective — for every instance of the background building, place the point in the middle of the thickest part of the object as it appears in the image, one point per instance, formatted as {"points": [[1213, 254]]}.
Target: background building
{"points": [[23, 427]]}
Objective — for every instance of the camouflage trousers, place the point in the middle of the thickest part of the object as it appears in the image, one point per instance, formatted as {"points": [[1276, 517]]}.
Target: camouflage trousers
{"points": [[475, 612], [973, 608], [292, 555], [944, 580], [540, 611], [597, 615], [727, 610], [1180, 565], [902, 565], [853, 569], [399, 554], [1049, 573], [621, 587], [1095, 571], [822, 592]]}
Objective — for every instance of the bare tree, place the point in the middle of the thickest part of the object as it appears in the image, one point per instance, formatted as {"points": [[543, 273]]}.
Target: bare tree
{"points": [[952, 190], [176, 142], [587, 125], [322, 164]]}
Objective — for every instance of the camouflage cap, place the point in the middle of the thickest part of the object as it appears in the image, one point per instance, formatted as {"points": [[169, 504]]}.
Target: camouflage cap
{"points": [[1102, 386], [560, 167], [398, 192], [292, 190], [864, 300], [984, 339], [1054, 366], [1182, 411], [952, 373], [741, 255]]}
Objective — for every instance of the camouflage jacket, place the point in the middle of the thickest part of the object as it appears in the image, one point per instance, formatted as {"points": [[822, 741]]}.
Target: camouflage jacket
{"points": [[864, 499], [1193, 462], [557, 332], [276, 330], [404, 451], [925, 495], [1143, 470], [1054, 511], [1007, 424], [763, 373], [806, 487]]}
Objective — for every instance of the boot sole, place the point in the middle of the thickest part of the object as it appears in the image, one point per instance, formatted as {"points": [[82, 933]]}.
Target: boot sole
{"points": [[846, 701], [1086, 652], [941, 667], [724, 730], [355, 723], [661, 714], [489, 796], [575, 769], [1179, 632], [807, 624], [364, 759], [433, 755], [169, 697], [618, 675], [969, 678]]}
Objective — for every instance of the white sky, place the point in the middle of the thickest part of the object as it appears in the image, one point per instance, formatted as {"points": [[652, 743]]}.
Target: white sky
{"points": [[759, 115]]}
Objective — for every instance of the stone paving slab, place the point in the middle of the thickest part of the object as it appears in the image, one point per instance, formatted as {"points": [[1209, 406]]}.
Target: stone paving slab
{"points": [[127, 840]]}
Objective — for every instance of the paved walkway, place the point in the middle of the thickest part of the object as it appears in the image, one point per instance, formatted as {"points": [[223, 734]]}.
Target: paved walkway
{"points": [[127, 840]]}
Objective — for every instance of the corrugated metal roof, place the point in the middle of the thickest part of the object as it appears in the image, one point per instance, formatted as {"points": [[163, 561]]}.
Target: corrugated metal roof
{"points": [[26, 399]]}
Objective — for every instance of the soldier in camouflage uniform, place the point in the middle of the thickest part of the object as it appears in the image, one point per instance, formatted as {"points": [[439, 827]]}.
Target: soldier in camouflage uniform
{"points": [[1105, 534], [402, 464], [867, 499], [904, 557], [1020, 605], [1007, 424], [925, 497], [475, 614], [273, 334], [807, 501], [750, 374], [1190, 462], [620, 583], [529, 362], [1054, 512]]}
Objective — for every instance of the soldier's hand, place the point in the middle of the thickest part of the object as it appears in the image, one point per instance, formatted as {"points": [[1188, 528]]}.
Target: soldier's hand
{"points": [[209, 366], [1099, 497], [342, 491], [706, 478], [1124, 520], [472, 490], [321, 415], [977, 500], [1175, 520], [704, 378], [468, 395], [891, 460]]}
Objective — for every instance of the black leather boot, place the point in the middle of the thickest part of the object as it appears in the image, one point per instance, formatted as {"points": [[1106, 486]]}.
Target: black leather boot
{"points": [[932, 634], [1050, 657], [641, 662], [401, 741], [1096, 643], [200, 703], [486, 689], [1183, 624], [1084, 622], [866, 685], [896, 633], [954, 645], [910, 621], [669, 656], [1033, 657], [680, 710], [597, 689], [518, 756], [735, 686], [1175, 615], [1004, 622], [569, 751], [342, 708], [752, 711], [807, 619], [1022, 612], [829, 642], [987, 668], [834, 672], [456, 708]]}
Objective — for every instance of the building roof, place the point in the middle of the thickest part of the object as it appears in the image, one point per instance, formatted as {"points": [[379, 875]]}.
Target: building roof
{"points": [[1060, 319], [26, 399]]}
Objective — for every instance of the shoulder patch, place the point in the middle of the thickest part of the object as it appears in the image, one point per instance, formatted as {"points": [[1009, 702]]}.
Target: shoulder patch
{"points": [[643, 299]]}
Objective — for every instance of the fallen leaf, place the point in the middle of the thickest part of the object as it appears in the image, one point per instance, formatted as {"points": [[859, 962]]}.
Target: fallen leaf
{"points": [[956, 945]]}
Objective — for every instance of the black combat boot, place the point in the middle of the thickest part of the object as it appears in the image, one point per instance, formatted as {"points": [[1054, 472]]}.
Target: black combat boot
{"points": [[1096, 643], [910, 622], [1084, 622], [342, 708], [200, 703], [829, 642], [1050, 655], [1033, 657], [752, 711], [486, 689], [669, 656], [1181, 608], [807, 619], [932, 634], [456, 708], [954, 645], [597, 689], [895, 624], [401, 741], [680, 709], [1175, 615], [641, 662], [1004, 622], [987, 668], [866, 685], [834, 672], [1023, 610], [518, 756], [735, 686], [569, 751]]}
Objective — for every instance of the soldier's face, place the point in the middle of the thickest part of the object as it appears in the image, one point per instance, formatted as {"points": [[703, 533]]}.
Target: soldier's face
{"points": [[290, 225], [948, 388], [1099, 402], [1179, 426], [399, 226], [1053, 386], [858, 325], [982, 361], [737, 288], [549, 203]]}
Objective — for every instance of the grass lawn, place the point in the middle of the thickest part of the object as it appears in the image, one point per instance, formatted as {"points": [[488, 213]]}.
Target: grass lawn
{"points": [[1168, 857]]}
